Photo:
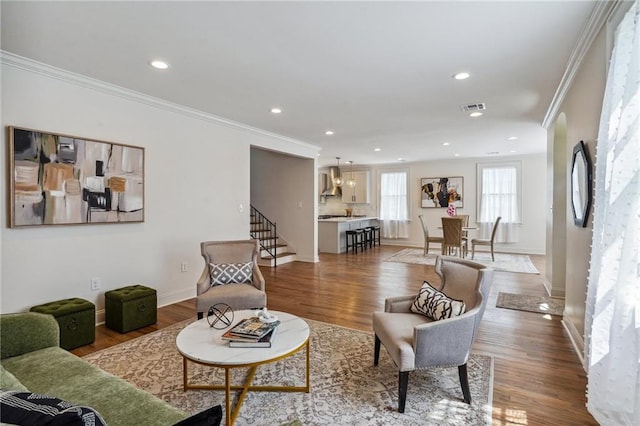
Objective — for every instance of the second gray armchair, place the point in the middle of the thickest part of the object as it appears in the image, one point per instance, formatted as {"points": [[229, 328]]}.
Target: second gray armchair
{"points": [[231, 275], [415, 341]]}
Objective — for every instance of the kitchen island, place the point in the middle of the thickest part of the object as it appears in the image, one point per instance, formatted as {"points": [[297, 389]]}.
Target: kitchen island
{"points": [[331, 231]]}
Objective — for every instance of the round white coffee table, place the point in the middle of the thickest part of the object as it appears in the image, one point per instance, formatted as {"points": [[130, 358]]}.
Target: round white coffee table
{"points": [[203, 344]]}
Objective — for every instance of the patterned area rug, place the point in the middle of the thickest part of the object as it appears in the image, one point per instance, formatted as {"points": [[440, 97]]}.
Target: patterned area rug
{"points": [[522, 302], [504, 262], [345, 386]]}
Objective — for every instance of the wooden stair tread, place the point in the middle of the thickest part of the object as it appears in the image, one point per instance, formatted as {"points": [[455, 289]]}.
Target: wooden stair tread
{"points": [[271, 246], [268, 242], [279, 255]]}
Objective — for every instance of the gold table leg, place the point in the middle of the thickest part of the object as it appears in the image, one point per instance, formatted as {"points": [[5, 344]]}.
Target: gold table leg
{"points": [[232, 414], [227, 397]]}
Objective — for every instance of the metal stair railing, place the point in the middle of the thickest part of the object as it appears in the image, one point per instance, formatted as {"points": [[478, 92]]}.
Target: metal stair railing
{"points": [[265, 227]]}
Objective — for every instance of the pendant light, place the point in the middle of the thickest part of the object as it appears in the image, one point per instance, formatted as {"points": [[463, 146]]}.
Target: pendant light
{"points": [[337, 180], [351, 182]]}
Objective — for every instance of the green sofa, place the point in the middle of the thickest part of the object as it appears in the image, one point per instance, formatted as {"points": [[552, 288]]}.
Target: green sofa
{"points": [[31, 360]]}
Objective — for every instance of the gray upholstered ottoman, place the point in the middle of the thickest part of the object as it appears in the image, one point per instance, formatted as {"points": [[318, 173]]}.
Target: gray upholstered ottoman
{"points": [[76, 318], [130, 308]]}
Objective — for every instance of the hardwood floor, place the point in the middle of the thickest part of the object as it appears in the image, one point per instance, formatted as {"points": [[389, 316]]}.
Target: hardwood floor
{"points": [[538, 379]]}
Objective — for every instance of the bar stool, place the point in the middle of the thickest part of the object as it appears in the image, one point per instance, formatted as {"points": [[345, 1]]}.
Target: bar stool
{"points": [[365, 238], [355, 239], [374, 235], [368, 235]]}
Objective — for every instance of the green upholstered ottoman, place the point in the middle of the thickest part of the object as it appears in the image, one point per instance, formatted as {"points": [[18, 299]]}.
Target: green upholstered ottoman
{"points": [[76, 318], [130, 308]]}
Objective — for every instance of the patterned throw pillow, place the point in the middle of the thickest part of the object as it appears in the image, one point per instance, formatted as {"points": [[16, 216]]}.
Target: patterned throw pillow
{"points": [[26, 408], [435, 304], [231, 273]]}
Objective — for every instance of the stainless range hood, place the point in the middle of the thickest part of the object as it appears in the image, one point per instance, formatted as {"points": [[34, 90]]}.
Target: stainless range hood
{"points": [[329, 188]]}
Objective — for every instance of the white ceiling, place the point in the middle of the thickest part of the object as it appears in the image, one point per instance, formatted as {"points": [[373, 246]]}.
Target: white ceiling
{"points": [[379, 74]]}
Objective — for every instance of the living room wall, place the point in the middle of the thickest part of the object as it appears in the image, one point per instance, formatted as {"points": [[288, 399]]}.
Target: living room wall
{"points": [[581, 109], [197, 177], [531, 231], [280, 189], [534, 206]]}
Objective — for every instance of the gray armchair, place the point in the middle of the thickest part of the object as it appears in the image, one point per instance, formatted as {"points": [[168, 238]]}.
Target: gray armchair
{"points": [[416, 342], [248, 295]]}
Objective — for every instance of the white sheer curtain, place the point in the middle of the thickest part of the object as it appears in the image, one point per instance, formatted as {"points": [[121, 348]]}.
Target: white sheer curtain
{"points": [[612, 319], [499, 197], [394, 206]]}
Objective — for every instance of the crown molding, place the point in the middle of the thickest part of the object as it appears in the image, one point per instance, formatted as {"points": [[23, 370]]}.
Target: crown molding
{"points": [[598, 18], [30, 65]]}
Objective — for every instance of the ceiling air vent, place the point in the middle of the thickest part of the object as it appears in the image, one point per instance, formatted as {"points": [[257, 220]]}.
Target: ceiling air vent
{"points": [[473, 107]]}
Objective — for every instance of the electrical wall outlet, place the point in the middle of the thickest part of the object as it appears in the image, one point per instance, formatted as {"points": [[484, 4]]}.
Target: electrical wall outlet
{"points": [[184, 267], [95, 284]]}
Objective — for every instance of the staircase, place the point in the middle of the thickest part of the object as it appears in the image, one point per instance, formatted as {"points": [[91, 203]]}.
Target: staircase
{"points": [[274, 250]]}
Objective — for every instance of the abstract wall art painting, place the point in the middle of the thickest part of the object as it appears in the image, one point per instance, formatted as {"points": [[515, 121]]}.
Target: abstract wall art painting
{"points": [[441, 192], [63, 180]]}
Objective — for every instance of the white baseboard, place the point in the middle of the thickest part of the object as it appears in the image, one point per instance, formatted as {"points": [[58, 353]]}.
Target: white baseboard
{"points": [[177, 296], [547, 286], [310, 259], [100, 317], [577, 340]]}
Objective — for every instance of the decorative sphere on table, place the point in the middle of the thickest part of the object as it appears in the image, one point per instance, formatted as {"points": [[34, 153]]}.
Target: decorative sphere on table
{"points": [[220, 316]]}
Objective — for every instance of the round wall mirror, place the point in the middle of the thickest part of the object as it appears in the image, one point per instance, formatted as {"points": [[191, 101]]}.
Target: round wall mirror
{"points": [[580, 184]]}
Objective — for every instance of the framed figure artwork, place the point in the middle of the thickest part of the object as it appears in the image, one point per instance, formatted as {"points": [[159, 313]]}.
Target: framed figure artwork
{"points": [[58, 179], [440, 192]]}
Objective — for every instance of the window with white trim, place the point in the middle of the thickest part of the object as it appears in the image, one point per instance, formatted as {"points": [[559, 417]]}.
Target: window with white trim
{"points": [[499, 189], [394, 204]]}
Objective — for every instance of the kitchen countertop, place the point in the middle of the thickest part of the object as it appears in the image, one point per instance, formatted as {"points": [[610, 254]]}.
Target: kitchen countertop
{"points": [[348, 219], [332, 231]]}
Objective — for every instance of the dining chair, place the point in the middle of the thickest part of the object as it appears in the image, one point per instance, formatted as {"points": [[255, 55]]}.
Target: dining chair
{"points": [[427, 238], [465, 224], [483, 242], [453, 240]]}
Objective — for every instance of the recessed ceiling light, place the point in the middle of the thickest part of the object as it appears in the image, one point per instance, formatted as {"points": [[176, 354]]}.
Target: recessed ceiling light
{"points": [[161, 65], [513, 150], [445, 144], [276, 110], [377, 149], [461, 76], [475, 114], [329, 132], [512, 138], [401, 159], [456, 155]]}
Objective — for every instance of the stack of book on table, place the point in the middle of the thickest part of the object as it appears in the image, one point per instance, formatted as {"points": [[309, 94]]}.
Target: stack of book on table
{"points": [[251, 333]]}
